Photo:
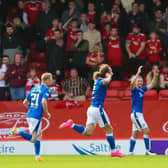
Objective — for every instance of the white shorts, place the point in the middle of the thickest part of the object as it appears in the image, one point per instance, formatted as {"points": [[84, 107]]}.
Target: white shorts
{"points": [[97, 115], [138, 122], [34, 125]]}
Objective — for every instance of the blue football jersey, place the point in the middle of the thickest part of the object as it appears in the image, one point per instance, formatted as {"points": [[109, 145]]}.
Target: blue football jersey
{"points": [[99, 93], [137, 96], [35, 97]]}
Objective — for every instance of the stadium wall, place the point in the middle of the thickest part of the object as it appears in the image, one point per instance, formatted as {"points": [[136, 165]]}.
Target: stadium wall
{"points": [[67, 141]]}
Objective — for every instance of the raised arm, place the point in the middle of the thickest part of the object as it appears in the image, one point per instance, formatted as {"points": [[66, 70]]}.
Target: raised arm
{"points": [[154, 80], [108, 78], [132, 85]]}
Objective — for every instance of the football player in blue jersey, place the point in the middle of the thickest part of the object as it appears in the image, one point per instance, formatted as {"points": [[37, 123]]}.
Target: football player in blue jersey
{"points": [[96, 113], [36, 102], [138, 122]]}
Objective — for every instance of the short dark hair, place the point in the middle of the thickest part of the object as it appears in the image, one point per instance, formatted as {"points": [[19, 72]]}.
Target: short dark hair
{"points": [[5, 56], [57, 30], [33, 69]]}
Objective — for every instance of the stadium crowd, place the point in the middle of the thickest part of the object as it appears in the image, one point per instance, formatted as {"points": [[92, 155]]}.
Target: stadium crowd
{"points": [[71, 38]]}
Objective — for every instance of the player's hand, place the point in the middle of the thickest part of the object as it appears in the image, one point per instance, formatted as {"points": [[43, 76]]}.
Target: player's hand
{"points": [[48, 115], [139, 70]]}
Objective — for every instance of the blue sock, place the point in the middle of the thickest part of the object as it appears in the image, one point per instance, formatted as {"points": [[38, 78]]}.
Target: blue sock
{"points": [[111, 141], [37, 148], [147, 142], [132, 144], [25, 135], [79, 128]]}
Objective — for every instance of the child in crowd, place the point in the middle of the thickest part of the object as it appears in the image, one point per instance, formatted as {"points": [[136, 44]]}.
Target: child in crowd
{"points": [[32, 80]]}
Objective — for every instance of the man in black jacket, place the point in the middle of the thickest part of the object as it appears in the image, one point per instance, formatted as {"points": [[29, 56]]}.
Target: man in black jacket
{"points": [[43, 23]]}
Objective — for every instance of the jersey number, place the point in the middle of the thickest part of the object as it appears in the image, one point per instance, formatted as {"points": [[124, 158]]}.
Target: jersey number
{"points": [[34, 99]]}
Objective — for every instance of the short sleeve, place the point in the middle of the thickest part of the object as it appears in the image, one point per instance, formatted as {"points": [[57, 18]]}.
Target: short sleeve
{"points": [[143, 39], [46, 94], [128, 40], [144, 88]]}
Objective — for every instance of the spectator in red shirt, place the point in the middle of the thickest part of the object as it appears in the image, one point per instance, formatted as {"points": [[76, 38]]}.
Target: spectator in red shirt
{"points": [[94, 59], [31, 10], [114, 53], [50, 34], [17, 77], [32, 80], [153, 49], [107, 31], [55, 91], [164, 76], [71, 36], [135, 46], [91, 11]]}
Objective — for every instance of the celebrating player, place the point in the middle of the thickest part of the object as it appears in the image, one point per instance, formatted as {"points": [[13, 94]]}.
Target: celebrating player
{"points": [[139, 124], [96, 113], [36, 102]]}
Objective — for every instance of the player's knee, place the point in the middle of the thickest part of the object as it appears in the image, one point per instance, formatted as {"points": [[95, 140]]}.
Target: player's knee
{"points": [[147, 131]]}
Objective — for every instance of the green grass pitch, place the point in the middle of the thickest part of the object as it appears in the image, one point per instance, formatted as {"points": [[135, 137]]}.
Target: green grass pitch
{"points": [[84, 162]]}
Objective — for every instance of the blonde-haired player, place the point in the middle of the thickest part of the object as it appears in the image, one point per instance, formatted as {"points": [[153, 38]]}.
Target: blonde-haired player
{"points": [[96, 113], [36, 102]]}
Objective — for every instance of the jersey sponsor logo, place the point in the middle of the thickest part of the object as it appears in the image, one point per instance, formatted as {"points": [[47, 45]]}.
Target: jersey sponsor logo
{"points": [[165, 127], [10, 119]]}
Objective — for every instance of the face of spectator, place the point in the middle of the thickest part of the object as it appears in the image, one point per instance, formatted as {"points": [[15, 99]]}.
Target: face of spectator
{"points": [[165, 69], [115, 9], [5, 60], [83, 18], [72, 5], [9, 30], [55, 23], [107, 27], [135, 8], [74, 24], [18, 59], [153, 35], [74, 73], [141, 7], [136, 30], [91, 7], [16, 21], [155, 68], [21, 4], [158, 14], [139, 82], [57, 35], [114, 32], [45, 6], [79, 35], [118, 2], [91, 26], [33, 73]]}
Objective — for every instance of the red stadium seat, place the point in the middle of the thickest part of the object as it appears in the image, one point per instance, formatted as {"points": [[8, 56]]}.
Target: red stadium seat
{"points": [[114, 95], [41, 67], [126, 95], [163, 95], [33, 46], [40, 57], [119, 85], [151, 95]]}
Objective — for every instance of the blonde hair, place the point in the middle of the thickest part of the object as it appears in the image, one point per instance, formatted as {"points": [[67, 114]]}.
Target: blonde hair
{"points": [[46, 76], [103, 69]]}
